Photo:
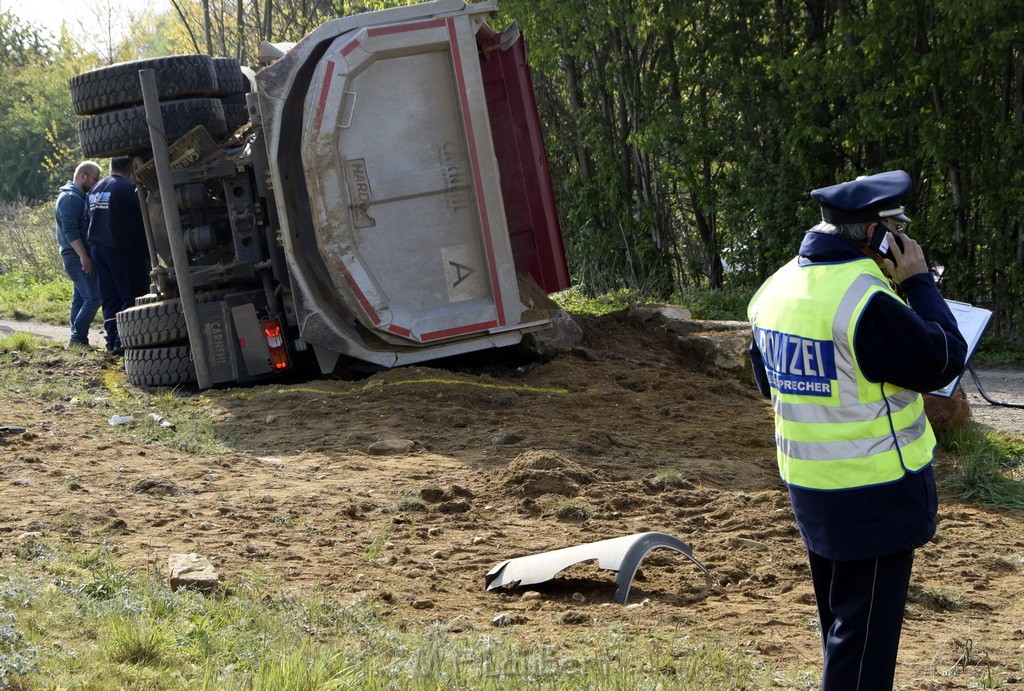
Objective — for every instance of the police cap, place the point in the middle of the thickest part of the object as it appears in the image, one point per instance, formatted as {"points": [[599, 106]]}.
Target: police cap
{"points": [[868, 198]]}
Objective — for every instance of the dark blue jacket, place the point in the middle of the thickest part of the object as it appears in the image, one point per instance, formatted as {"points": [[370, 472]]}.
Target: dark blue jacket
{"points": [[918, 348], [115, 217]]}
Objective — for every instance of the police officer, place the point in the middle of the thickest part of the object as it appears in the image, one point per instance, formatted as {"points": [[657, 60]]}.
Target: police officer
{"points": [[117, 243], [845, 360]]}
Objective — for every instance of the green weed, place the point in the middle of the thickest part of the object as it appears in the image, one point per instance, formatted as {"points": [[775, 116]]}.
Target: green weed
{"points": [[982, 467], [136, 641], [19, 342], [577, 300]]}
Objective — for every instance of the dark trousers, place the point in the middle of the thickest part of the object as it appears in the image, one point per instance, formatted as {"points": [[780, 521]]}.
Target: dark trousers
{"points": [[860, 609], [123, 276]]}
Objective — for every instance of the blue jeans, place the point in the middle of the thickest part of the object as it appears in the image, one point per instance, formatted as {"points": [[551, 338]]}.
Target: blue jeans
{"points": [[85, 297], [123, 276]]}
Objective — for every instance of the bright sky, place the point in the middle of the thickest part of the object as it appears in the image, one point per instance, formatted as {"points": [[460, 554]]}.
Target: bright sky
{"points": [[80, 17]]}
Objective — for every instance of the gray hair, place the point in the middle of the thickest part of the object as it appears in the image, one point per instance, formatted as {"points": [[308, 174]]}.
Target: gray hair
{"points": [[857, 233]]}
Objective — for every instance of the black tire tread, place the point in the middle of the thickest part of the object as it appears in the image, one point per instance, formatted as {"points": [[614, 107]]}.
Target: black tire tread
{"points": [[125, 131], [165, 366], [230, 78], [235, 115], [152, 324], [117, 85]]}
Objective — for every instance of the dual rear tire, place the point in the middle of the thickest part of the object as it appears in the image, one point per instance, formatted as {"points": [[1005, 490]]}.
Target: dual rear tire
{"points": [[155, 338], [193, 90]]}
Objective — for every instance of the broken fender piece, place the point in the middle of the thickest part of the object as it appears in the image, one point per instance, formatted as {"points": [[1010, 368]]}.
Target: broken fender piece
{"points": [[620, 554]]}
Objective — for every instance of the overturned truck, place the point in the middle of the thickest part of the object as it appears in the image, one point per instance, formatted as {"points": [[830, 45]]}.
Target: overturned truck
{"points": [[377, 194]]}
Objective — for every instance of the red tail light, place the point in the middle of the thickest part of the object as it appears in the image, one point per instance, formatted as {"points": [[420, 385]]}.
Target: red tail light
{"points": [[275, 342]]}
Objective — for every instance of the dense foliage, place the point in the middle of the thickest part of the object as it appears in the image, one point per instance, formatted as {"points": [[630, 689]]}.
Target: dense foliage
{"points": [[684, 137]]}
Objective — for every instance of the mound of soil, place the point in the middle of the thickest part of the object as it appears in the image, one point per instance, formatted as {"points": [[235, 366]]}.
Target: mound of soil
{"points": [[406, 487]]}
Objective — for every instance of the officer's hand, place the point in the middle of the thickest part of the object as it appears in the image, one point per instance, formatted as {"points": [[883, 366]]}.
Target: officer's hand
{"points": [[909, 260], [86, 264]]}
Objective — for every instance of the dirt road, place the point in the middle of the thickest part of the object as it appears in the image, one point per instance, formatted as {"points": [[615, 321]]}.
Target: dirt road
{"points": [[407, 487]]}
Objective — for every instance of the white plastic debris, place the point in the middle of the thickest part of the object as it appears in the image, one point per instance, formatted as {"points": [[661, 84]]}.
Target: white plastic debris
{"points": [[161, 420]]}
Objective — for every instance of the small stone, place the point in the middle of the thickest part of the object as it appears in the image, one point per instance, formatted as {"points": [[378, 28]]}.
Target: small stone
{"points": [[479, 539], [434, 532], [423, 604], [390, 447], [579, 597], [267, 499], [573, 618], [192, 571], [530, 595], [438, 554], [271, 418], [501, 620], [29, 537]]}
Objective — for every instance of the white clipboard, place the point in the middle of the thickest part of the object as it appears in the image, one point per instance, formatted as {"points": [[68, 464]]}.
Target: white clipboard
{"points": [[972, 322]]}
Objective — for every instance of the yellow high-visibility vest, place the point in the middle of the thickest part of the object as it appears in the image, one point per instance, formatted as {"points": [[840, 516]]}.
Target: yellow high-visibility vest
{"points": [[834, 429]]}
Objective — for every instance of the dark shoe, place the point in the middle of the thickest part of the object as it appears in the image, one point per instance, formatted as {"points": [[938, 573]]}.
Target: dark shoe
{"points": [[114, 353], [75, 343]]}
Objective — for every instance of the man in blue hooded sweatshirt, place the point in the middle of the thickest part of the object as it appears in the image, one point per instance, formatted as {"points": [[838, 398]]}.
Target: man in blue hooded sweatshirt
{"points": [[71, 213]]}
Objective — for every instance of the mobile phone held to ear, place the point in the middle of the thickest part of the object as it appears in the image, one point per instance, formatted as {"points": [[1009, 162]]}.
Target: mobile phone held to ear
{"points": [[879, 241]]}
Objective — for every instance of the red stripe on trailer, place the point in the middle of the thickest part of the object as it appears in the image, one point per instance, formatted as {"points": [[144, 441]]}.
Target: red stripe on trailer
{"points": [[458, 331], [400, 330], [372, 313], [323, 96]]}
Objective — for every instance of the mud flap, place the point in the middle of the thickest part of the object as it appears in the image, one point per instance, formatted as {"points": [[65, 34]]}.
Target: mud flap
{"points": [[622, 555]]}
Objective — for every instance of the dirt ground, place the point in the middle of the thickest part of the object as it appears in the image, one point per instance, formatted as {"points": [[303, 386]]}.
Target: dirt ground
{"points": [[492, 458]]}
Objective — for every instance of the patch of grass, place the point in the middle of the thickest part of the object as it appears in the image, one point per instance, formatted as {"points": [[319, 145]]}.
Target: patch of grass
{"points": [[25, 296], [20, 342], [376, 548], [715, 305], [983, 467], [136, 641], [712, 305], [27, 365], [567, 509], [671, 478], [255, 635], [27, 243], [578, 301]]}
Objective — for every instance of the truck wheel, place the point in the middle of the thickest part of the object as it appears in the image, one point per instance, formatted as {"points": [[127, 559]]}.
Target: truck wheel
{"points": [[125, 131], [118, 85], [167, 366], [230, 78], [235, 115], [152, 324]]}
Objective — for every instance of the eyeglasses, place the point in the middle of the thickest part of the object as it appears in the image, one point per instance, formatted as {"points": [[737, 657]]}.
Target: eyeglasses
{"points": [[896, 226], [95, 178]]}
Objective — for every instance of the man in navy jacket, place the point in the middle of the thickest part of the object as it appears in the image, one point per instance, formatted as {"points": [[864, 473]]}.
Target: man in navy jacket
{"points": [[117, 243]]}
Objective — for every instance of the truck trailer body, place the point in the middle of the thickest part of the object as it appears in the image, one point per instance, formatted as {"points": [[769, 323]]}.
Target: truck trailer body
{"points": [[378, 194]]}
